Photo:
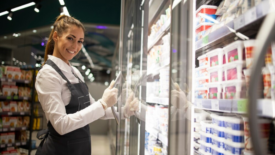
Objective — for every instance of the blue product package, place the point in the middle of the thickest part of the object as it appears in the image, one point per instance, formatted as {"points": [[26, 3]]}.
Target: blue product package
{"points": [[215, 152], [218, 132], [205, 20], [234, 126], [205, 138], [233, 149], [217, 143], [205, 148], [234, 138]]}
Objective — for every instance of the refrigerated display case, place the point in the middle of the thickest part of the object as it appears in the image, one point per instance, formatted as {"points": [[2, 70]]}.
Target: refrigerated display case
{"points": [[189, 64]]}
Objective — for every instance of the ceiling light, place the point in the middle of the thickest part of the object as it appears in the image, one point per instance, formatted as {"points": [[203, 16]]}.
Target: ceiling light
{"points": [[4, 13], [23, 6], [65, 11], [90, 76], [108, 71], [9, 16], [37, 8], [34, 31], [88, 72], [51, 27], [61, 2], [5, 37], [83, 67], [106, 83]]}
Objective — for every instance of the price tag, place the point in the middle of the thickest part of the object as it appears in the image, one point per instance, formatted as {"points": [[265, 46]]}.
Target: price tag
{"points": [[22, 113], [263, 9], [242, 105], [2, 79], [215, 105], [9, 113], [250, 16], [239, 22], [15, 97], [8, 97], [3, 145], [5, 129], [199, 103], [27, 81], [17, 144], [23, 128], [9, 145], [23, 143], [205, 40], [9, 80], [25, 98], [12, 129]]}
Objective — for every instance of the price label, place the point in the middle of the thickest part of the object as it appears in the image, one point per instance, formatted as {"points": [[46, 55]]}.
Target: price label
{"points": [[199, 103], [27, 81], [8, 97], [17, 144], [9, 80], [12, 129], [24, 128], [5, 129], [1, 130], [263, 9], [250, 16], [23, 143], [9, 113], [22, 113], [215, 105], [205, 40], [239, 22], [242, 105], [25, 98], [3, 145], [15, 97], [2, 79], [9, 145]]}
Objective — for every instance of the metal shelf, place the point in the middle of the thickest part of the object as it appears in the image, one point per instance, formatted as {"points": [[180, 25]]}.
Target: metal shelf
{"points": [[158, 100], [13, 80], [13, 144], [240, 24], [12, 129], [14, 113], [13, 98], [266, 107]]}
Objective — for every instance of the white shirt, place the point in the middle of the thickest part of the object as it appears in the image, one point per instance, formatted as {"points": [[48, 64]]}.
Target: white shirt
{"points": [[54, 95]]}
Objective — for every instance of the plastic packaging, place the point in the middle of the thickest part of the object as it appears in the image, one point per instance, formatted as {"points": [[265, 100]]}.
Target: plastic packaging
{"points": [[216, 74], [218, 131], [207, 9], [217, 120], [214, 91], [234, 52], [271, 69], [234, 136], [215, 57], [205, 147], [246, 73], [268, 56], [201, 93], [217, 151], [218, 142], [205, 137], [267, 82], [201, 72], [202, 28], [249, 49], [206, 126], [233, 71], [234, 123], [203, 60], [200, 82], [234, 89], [234, 148]]}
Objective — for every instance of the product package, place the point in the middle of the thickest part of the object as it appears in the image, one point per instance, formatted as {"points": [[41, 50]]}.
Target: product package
{"points": [[19, 122], [26, 106], [13, 122], [9, 72], [13, 106], [28, 75], [6, 90], [5, 106], [4, 138], [13, 90], [267, 82], [11, 137], [234, 52], [6, 121], [21, 91], [249, 49], [16, 73], [20, 106], [23, 136], [23, 75], [26, 121]]}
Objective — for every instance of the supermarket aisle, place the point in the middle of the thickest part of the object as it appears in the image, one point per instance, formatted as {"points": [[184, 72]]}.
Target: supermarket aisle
{"points": [[100, 145]]}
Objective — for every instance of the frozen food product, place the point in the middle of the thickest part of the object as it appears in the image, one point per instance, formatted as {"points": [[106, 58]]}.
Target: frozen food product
{"points": [[206, 126], [215, 57], [234, 52], [201, 93], [6, 90], [13, 106], [201, 72], [6, 121], [201, 82], [234, 89], [4, 138], [267, 82], [247, 76], [203, 60], [217, 120], [214, 91], [218, 131], [234, 123], [11, 137], [205, 147], [234, 71], [268, 56], [14, 90], [5, 105], [272, 76], [205, 137], [207, 10], [249, 49], [13, 122], [16, 73], [218, 142], [202, 28], [20, 106], [217, 151], [233, 148], [234, 135], [215, 74]]}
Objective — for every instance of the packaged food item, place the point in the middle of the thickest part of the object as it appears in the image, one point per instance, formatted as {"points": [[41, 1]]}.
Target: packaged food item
{"points": [[6, 90], [26, 106], [218, 142], [205, 137], [234, 148], [218, 131], [206, 126], [271, 69], [203, 61], [247, 76], [9, 72], [202, 28], [5, 106], [23, 75], [201, 72], [268, 56], [201, 93], [207, 10], [19, 122], [6, 121], [249, 48], [26, 121], [234, 52], [234, 123], [214, 91], [13, 106], [216, 74], [234, 89], [14, 90], [20, 106], [16, 73], [21, 91], [217, 120], [4, 138], [234, 71], [234, 135], [11, 137], [217, 151], [215, 57], [205, 147], [267, 82], [28, 92], [201, 82], [23, 136], [28, 75], [13, 122]]}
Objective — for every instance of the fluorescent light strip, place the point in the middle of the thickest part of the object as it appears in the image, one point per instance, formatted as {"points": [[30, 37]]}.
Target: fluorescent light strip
{"points": [[65, 11], [61, 2], [4, 13], [23, 6]]}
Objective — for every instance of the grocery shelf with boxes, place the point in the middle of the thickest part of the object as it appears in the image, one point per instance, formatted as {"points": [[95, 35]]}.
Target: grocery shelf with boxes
{"points": [[224, 45], [19, 113]]}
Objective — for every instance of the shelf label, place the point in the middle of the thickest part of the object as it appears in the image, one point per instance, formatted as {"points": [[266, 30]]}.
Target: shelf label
{"points": [[250, 16], [23, 143], [242, 105], [8, 97], [3, 145], [5, 129], [25, 98], [239, 22], [27, 81], [17, 144], [215, 105], [9, 113], [12, 129], [22, 113], [9, 145], [205, 39], [199, 103], [2, 79], [263, 9], [15, 97], [9, 80], [24, 128]]}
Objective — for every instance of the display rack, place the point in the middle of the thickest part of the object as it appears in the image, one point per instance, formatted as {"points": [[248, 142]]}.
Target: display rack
{"points": [[158, 100], [252, 18], [265, 106]]}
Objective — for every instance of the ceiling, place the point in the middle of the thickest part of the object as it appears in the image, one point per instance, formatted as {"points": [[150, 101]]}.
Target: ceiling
{"points": [[99, 43]]}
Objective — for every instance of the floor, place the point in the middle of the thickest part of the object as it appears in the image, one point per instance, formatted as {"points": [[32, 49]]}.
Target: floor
{"points": [[100, 145]]}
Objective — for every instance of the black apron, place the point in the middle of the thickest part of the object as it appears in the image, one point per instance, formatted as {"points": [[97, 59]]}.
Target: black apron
{"points": [[77, 142]]}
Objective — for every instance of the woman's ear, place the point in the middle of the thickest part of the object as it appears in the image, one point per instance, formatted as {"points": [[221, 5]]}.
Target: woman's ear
{"points": [[55, 36]]}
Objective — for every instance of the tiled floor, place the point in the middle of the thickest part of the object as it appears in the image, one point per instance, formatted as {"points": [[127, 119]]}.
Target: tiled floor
{"points": [[100, 145]]}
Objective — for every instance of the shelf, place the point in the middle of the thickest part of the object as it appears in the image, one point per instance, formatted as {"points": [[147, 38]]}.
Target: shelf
{"points": [[13, 98], [13, 80], [240, 24], [156, 70], [158, 135], [265, 106], [158, 100], [13, 144], [14, 113], [163, 30], [13, 129]]}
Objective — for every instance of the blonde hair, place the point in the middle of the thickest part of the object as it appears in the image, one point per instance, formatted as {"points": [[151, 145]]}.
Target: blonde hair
{"points": [[60, 25]]}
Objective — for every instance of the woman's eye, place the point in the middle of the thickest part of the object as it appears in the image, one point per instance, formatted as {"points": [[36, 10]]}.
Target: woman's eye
{"points": [[80, 42], [70, 38]]}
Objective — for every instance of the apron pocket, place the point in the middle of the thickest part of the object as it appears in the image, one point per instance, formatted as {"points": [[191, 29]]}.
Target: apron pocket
{"points": [[81, 146]]}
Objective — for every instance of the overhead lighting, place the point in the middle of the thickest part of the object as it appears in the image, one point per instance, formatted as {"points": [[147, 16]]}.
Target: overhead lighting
{"points": [[61, 2], [34, 31], [23, 6], [37, 7], [106, 83], [88, 72], [65, 11], [9, 16], [4, 13], [108, 71], [90, 75], [83, 67], [51, 27], [5, 37]]}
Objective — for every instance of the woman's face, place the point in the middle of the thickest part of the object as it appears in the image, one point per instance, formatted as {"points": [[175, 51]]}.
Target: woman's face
{"points": [[69, 43]]}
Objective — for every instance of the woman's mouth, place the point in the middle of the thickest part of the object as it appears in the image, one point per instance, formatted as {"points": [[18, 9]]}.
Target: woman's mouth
{"points": [[72, 52]]}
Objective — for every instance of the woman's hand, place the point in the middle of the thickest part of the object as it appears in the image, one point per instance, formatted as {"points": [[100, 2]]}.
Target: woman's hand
{"points": [[109, 97]]}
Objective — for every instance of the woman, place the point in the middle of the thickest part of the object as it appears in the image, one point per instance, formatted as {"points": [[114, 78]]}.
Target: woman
{"points": [[64, 96]]}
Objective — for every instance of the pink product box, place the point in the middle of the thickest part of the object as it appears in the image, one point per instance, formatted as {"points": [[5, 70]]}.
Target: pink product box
{"points": [[234, 71], [234, 52], [235, 89], [215, 57]]}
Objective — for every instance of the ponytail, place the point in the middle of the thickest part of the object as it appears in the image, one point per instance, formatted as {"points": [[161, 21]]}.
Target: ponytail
{"points": [[60, 25]]}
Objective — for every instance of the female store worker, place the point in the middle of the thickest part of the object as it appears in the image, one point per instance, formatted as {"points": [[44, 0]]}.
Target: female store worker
{"points": [[64, 96]]}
